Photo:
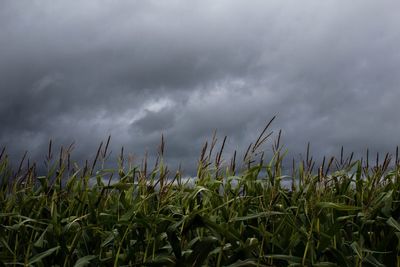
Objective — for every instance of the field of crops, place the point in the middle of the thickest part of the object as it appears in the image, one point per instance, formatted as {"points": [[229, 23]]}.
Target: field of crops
{"points": [[238, 212]]}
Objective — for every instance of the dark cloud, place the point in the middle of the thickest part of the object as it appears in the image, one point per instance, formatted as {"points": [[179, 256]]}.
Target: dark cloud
{"points": [[155, 121], [135, 70]]}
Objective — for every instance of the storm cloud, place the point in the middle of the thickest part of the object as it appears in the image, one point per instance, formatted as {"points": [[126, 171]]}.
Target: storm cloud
{"points": [[329, 70]]}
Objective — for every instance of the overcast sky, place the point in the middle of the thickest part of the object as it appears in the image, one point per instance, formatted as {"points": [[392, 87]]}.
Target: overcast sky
{"points": [[81, 70]]}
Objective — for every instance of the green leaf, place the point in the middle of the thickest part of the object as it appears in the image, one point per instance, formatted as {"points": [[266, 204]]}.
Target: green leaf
{"points": [[245, 263], [40, 243], [175, 242], [5, 244], [84, 260], [16, 226], [373, 261], [43, 255], [110, 238], [336, 206], [387, 200], [357, 249], [128, 215], [288, 258], [256, 215], [161, 261], [325, 264], [393, 223]]}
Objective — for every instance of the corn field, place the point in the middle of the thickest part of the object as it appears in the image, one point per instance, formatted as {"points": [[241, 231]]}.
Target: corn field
{"points": [[343, 212]]}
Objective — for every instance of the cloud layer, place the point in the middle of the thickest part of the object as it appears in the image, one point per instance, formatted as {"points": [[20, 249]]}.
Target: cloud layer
{"points": [[77, 72]]}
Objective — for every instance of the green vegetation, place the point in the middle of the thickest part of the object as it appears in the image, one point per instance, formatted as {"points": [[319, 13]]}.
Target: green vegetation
{"points": [[342, 213]]}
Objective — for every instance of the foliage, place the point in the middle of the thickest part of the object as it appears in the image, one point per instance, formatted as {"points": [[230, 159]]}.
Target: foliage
{"points": [[344, 213]]}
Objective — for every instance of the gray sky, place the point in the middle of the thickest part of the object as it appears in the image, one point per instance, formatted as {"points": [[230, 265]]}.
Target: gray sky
{"points": [[79, 71]]}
